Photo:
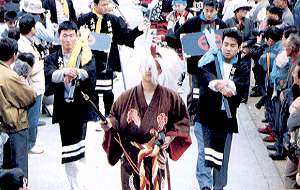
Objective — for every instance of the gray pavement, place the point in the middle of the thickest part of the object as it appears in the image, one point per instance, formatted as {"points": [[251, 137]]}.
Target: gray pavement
{"points": [[250, 168]]}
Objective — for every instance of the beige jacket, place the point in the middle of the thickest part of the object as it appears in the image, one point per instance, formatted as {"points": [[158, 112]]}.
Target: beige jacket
{"points": [[15, 96]]}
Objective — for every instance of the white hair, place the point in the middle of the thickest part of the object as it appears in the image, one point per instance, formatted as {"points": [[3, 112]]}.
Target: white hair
{"points": [[147, 63]]}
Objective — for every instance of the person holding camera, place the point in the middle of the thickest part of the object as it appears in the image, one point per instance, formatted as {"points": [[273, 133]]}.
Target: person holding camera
{"points": [[44, 35], [273, 19]]}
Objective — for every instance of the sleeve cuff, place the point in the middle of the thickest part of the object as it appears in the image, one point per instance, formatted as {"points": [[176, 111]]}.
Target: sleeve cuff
{"points": [[212, 85], [232, 86]]}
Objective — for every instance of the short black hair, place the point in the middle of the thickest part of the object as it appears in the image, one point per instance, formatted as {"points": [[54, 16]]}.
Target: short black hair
{"points": [[26, 23], [67, 25], [289, 30], [13, 33], [8, 47], [97, 1], [275, 10], [232, 33], [10, 16], [210, 3], [2, 12], [11, 179], [273, 33], [26, 57]]}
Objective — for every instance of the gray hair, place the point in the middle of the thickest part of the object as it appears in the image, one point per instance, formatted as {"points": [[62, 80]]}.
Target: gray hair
{"points": [[293, 43]]}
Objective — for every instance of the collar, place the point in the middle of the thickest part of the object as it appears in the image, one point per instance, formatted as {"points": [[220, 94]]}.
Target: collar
{"points": [[26, 40], [233, 61], [97, 14], [202, 17], [184, 14], [4, 64]]}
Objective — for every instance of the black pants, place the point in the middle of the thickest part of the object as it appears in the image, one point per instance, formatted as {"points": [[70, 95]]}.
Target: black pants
{"points": [[104, 85]]}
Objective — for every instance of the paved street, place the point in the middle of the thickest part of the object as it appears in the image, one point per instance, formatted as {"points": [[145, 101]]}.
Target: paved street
{"points": [[250, 168]]}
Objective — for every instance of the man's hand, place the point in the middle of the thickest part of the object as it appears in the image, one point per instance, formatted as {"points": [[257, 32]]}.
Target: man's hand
{"points": [[227, 92], [107, 126], [221, 84], [168, 140], [70, 74]]}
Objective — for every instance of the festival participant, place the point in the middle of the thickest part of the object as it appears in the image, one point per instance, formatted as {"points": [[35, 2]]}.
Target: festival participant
{"points": [[66, 81], [207, 19], [223, 80], [145, 123], [99, 21]]}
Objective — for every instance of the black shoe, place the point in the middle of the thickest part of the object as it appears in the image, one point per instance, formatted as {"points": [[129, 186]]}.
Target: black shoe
{"points": [[261, 102], [206, 188], [271, 147], [277, 156], [254, 88], [256, 94]]}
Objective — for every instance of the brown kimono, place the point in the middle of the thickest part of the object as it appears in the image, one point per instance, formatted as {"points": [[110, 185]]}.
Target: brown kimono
{"points": [[142, 162]]}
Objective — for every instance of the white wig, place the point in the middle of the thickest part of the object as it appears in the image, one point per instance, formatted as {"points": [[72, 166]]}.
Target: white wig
{"points": [[147, 63]]}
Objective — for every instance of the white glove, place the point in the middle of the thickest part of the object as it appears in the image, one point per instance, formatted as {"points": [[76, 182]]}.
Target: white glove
{"points": [[298, 178]]}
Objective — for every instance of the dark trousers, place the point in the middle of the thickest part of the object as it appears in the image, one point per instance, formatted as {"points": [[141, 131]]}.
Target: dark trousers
{"points": [[104, 85], [279, 127], [259, 75], [193, 96], [15, 154]]}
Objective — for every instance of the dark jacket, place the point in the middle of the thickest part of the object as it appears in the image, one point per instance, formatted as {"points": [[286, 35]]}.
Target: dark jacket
{"points": [[209, 110], [195, 24], [51, 5], [121, 36], [81, 108]]}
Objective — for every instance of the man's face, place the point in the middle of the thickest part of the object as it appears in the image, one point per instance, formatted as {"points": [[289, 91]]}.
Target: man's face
{"points": [[102, 7], [242, 13], [295, 75], [209, 12], [180, 7], [273, 19], [279, 3], [230, 47], [11, 24], [286, 46], [68, 38]]}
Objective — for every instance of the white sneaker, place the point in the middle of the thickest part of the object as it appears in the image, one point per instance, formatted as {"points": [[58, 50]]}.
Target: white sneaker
{"points": [[36, 149]]}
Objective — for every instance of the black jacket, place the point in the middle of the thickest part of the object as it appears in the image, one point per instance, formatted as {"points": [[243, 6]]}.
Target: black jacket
{"points": [[209, 104], [121, 36], [51, 5], [195, 24], [81, 107]]}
